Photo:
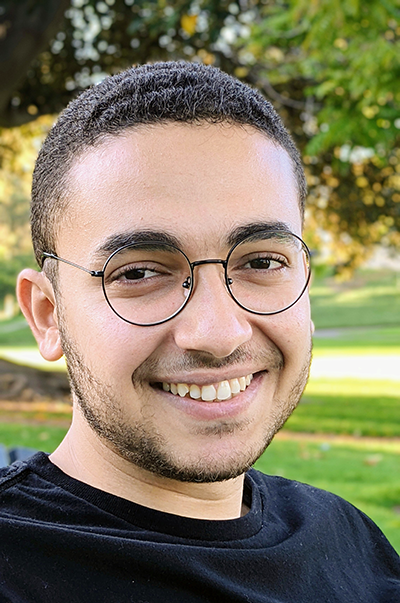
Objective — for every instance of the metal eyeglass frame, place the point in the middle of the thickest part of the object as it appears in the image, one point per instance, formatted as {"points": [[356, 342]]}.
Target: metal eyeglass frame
{"points": [[189, 282]]}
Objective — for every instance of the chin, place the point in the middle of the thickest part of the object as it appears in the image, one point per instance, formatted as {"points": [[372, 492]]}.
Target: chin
{"points": [[213, 460]]}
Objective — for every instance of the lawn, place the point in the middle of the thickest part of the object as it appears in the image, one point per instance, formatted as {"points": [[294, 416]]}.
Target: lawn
{"points": [[358, 341], [371, 298], [349, 406], [40, 437]]}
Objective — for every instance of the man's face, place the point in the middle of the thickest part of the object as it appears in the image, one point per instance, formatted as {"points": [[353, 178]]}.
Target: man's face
{"points": [[197, 184]]}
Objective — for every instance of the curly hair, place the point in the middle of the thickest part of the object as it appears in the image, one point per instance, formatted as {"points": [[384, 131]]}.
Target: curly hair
{"points": [[180, 92]]}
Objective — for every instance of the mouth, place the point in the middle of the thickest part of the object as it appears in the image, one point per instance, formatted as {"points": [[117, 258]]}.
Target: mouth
{"points": [[213, 392]]}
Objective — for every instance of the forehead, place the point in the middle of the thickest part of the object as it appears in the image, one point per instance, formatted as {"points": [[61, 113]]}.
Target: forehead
{"points": [[194, 182]]}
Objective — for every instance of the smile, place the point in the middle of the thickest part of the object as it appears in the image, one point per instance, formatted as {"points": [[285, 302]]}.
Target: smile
{"points": [[224, 390]]}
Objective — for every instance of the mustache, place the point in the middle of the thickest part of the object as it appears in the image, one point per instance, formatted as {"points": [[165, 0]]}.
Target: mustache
{"points": [[270, 358]]}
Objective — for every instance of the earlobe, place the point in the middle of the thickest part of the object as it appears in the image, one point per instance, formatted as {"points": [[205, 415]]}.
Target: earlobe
{"points": [[37, 301]]}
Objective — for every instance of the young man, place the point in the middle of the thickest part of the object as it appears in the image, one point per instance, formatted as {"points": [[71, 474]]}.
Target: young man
{"points": [[167, 210]]}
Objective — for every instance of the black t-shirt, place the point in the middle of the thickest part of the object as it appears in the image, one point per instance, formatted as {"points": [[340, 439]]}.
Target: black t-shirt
{"points": [[64, 541]]}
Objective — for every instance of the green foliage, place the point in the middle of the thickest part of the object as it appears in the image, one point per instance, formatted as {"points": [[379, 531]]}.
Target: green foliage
{"points": [[104, 37], [18, 149], [340, 62], [331, 68], [345, 54]]}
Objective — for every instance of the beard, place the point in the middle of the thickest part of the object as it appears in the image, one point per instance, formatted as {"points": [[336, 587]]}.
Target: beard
{"points": [[140, 443]]}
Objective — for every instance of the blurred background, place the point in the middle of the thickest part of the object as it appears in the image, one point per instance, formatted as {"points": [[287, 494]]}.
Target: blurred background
{"points": [[332, 70]]}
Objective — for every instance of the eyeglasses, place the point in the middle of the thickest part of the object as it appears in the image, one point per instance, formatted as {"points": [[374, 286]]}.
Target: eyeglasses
{"points": [[148, 283]]}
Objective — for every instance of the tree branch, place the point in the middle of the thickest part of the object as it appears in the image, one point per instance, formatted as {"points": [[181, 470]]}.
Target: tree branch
{"points": [[26, 27]]}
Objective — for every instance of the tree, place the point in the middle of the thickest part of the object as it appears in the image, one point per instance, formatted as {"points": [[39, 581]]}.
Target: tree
{"points": [[332, 68], [96, 38], [342, 59], [25, 30]]}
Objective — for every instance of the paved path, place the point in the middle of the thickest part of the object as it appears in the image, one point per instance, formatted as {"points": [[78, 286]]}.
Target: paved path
{"points": [[357, 367]]}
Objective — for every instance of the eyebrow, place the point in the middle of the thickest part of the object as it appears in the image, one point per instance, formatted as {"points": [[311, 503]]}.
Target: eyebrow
{"points": [[116, 241], [254, 228]]}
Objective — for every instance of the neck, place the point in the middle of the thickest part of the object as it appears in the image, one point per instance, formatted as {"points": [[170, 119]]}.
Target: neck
{"points": [[83, 456]]}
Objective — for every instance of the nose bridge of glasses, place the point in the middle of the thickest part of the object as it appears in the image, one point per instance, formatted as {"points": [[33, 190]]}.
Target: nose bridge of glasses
{"points": [[201, 262], [210, 261]]}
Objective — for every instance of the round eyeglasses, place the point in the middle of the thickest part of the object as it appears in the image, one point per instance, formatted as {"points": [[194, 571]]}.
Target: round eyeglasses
{"points": [[148, 283]]}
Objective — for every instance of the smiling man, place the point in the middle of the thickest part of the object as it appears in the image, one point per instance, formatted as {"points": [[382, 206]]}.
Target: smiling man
{"points": [[167, 210]]}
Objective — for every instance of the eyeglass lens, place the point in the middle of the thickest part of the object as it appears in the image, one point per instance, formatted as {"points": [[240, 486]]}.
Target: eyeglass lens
{"points": [[148, 283]]}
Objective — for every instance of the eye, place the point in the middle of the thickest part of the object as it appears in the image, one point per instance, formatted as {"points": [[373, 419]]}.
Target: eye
{"points": [[135, 274], [264, 263]]}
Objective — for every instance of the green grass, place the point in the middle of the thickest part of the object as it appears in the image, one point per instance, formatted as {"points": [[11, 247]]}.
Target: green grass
{"points": [[358, 341], [40, 437], [363, 474], [16, 333], [370, 298], [349, 406]]}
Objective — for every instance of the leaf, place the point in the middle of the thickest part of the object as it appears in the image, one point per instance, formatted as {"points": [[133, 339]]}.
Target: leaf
{"points": [[188, 24]]}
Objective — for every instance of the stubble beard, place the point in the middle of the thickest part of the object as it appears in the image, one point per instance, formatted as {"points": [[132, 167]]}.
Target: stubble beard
{"points": [[140, 443]]}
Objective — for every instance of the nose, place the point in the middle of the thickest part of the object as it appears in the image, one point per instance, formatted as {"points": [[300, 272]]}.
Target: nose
{"points": [[212, 322]]}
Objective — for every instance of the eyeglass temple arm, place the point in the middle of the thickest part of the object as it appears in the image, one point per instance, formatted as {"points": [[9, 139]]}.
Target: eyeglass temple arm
{"points": [[55, 257]]}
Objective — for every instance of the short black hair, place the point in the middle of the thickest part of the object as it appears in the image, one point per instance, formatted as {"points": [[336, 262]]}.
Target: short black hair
{"points": [[182, 92]]}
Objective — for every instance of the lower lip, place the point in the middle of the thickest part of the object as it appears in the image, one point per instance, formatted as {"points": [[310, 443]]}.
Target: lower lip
{"points": [[208, 411]]}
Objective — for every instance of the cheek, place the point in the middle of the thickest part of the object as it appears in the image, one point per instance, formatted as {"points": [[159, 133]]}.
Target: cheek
{"points": [[290, 331], [109, 345]]}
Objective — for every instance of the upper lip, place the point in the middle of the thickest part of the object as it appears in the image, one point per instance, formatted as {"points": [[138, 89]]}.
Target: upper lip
{"points": [[206, 379]]}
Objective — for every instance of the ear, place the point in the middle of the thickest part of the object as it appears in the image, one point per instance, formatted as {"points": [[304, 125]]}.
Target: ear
{"points": [[37, 301]]}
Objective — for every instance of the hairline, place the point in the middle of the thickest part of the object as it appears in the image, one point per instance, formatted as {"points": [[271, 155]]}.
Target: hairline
{"points": [[106, 137]]}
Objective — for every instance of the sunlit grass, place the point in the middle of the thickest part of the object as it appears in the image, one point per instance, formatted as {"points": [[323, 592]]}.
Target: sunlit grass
{"points": [[370, 298], [358, 341], [40, 437], [349, 406], [30, 356]]}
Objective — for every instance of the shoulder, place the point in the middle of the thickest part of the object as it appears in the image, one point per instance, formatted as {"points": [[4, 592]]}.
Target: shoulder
{"points": [[306, 500], [327, 519], [20, 482], [12, 474], [296, 493]]}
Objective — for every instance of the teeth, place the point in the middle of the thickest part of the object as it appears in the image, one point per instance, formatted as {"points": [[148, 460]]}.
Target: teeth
{"points": [[182, 389], [235, 386], [224, 390], [195, 392], [208, 393]]}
